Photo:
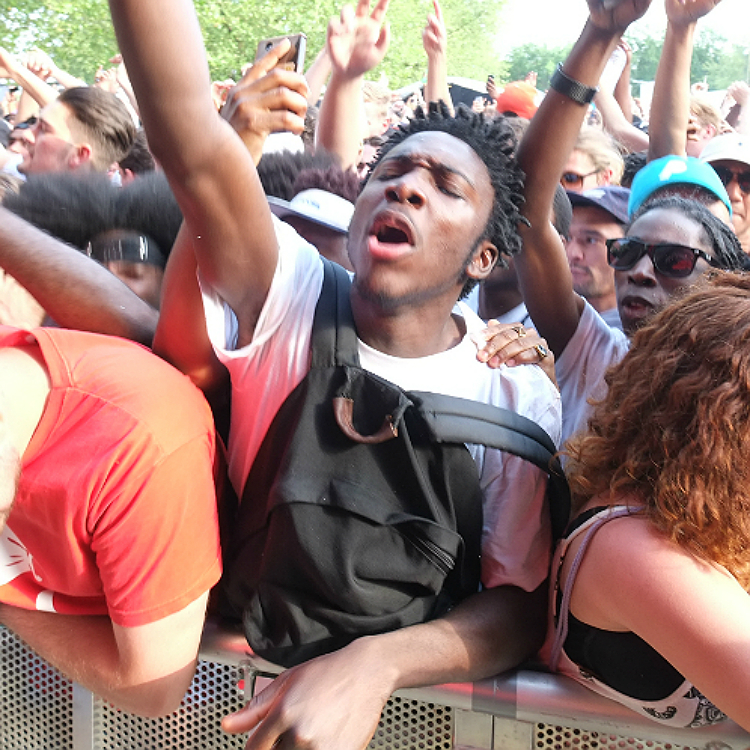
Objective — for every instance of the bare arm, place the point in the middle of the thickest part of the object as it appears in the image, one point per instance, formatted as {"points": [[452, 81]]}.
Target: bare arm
{"points": [[740, 92], [693, 613], [622, 94], [255, 107], [75, 291], [670, 106], [491, 632], [145, 670], [123, 79], [41, 64], [208, 167], [617, 125], [357, 42], [317, 74], [543, 272], [181, 337], [41, 92], [435, 41]]}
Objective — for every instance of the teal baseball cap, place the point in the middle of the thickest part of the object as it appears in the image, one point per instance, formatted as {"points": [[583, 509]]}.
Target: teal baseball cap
{"points": [[675, 170]]}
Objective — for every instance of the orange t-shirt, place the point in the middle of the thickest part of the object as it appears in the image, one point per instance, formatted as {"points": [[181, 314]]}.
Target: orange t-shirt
{"points": [[115, 511]]}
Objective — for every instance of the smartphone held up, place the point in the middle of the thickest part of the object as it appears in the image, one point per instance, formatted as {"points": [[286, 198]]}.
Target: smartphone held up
{"points": [[294, 59]]}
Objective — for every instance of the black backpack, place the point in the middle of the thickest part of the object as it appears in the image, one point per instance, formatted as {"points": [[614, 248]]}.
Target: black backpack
{"points": [[362, 512]]}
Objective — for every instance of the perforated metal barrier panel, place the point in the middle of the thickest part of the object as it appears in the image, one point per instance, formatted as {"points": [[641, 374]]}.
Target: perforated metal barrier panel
{"points": [[195, 725], [413, 725], [549, 737], [41, 710], [36, 701]]}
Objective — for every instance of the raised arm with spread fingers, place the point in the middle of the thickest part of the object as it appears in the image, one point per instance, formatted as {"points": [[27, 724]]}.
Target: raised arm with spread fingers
{"points": [[357, 42], [435, 42], [542, 267]]}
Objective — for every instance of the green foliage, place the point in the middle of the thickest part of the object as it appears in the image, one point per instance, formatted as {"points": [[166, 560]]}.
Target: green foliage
{"points": [[78, 35], [714, 59], [532, 57]]}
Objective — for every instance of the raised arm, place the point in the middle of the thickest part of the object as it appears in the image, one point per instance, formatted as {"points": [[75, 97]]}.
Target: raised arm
{"points": [[357, 42], [42, 65], [740, 92], [615, 106], [317, 75], [542, 267], [670, 106], [617, 125], [212, 175], [41, 92], [256, 106], [74, 290], [435, 42]]}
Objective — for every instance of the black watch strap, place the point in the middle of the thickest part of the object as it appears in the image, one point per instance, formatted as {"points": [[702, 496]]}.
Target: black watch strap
{"points": [[567, 86]]}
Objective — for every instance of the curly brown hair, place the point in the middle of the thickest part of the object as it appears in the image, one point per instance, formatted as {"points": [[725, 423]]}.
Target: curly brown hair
{"points": [[673, 432]]}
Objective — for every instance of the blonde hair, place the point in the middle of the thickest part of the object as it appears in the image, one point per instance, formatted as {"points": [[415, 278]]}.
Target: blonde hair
{"points": [[603, 151], [705, 112]]}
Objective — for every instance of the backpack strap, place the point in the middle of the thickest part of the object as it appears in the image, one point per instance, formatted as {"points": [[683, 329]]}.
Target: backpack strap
{"points": [[450, 419], [334, 338], [453, 419]]}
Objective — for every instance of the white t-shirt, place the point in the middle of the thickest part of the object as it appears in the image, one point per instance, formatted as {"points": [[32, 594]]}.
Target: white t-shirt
{"points": [[612, 317], [515, 539], [593, 348]]}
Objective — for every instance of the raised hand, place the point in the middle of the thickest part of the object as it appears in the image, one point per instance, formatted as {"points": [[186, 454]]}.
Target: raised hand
{"points": [[40, 64], [358, 40], [685, 12], [267, 99], [435, 36], [616, 15]]}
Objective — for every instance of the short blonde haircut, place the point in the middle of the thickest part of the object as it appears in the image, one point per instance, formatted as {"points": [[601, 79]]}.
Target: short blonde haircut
{"points": [[705, 112], [603, 151]]}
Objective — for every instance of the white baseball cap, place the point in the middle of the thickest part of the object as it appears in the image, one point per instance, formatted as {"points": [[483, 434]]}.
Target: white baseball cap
{"points": [[319, 206]]}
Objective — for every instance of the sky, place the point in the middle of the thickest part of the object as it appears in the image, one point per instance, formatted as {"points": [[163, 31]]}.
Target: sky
{"points": [[556, 23]]}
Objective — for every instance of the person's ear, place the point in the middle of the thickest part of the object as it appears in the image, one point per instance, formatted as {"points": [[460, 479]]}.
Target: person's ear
{"points": [[605, 176], [483, 261], [80, 156]]}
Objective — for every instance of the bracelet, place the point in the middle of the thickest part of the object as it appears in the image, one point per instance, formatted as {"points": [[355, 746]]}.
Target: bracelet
{"points": [[567, 86]]}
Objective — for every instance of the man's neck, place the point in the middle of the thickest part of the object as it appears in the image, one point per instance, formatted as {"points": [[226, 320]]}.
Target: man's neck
{"points": [[408, 331]]}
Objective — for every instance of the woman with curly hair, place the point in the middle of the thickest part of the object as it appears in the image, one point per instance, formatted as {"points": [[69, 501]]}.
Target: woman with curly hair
{"points": [[651, 602]]}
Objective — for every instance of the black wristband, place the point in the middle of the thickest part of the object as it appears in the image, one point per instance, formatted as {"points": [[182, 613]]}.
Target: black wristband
{"points": [[567, 86]]}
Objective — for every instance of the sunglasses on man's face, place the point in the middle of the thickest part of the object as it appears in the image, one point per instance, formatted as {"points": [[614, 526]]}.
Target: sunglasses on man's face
{"points": [[726, 176], [669, 259], [574, 181]]}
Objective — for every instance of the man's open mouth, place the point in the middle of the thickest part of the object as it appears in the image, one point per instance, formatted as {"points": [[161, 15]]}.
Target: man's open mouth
{"points": [[390, 229]]}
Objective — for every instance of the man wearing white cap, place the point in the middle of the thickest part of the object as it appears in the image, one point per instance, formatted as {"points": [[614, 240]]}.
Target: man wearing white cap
{"points": [[322, 218], [729, 155]]}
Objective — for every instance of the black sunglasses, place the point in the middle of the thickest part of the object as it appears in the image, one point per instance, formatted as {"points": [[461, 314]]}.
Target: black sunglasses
{"points": [[726, 175], [669, 259]]}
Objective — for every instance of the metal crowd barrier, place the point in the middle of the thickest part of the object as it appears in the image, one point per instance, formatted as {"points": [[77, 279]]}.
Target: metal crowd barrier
{"points": [[524, 710]]}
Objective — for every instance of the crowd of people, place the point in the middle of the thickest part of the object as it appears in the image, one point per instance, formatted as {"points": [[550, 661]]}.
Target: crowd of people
{"points": [[564, 255]]}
